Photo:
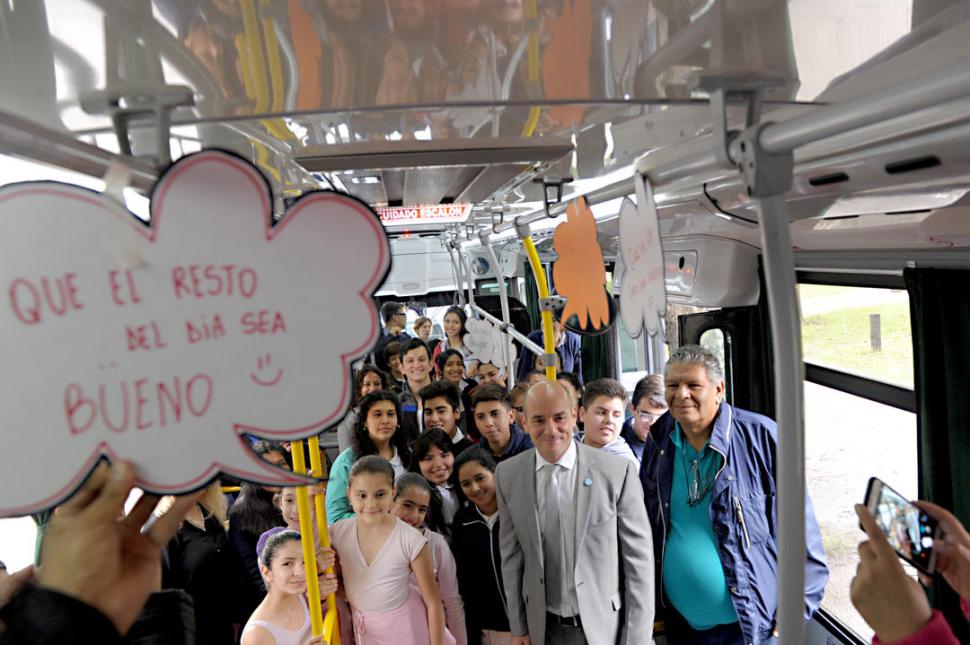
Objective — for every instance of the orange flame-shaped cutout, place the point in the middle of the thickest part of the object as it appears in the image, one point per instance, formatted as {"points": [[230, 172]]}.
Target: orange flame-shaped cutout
{"points": [[579, 273]]}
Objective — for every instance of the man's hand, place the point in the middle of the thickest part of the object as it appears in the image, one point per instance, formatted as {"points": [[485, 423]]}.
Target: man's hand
{"points": [[953, 551], [93, 552], [521, 640], [891, 602]]}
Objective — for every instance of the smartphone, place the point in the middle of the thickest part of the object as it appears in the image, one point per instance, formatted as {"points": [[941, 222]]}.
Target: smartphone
{"points": [[910, 531]]}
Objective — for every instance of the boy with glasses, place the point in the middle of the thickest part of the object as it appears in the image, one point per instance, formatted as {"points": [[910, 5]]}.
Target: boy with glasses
{"points": [[648, 405]]}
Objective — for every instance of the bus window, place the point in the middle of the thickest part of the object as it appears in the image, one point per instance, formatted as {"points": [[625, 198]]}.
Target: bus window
{"points": [[858, 330], [713, 339], [843, 431]]}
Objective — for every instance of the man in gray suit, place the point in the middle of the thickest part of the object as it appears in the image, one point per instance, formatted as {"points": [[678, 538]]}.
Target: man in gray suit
{"points": [[577, 550]]}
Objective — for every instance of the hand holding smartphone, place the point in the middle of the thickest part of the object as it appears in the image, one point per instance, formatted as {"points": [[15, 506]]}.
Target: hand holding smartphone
{"points": [[911, 532]]}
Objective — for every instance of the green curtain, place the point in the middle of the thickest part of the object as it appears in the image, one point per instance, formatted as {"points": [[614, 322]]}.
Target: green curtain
{"points": [[940, 317], [598, 353], [532, 297]]}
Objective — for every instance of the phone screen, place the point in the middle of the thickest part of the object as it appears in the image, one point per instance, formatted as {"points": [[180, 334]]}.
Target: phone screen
{"points": [[909, 530]]}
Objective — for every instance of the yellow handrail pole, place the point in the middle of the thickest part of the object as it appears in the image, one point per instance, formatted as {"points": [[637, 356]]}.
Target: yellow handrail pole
{"points": [[331, 626], [532, 17], [548, 340], [306, 540]]}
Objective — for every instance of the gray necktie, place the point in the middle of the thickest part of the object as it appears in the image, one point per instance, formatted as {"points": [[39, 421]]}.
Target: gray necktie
{"points": [[552, 538]]}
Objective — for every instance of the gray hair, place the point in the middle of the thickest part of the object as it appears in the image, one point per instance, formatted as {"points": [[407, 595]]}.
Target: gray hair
{"points": [[699, 356]]}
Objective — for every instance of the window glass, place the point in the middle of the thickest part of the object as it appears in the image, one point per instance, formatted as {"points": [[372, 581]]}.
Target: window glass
{"points": [[713, 340], [843, 431], [858, 330]]}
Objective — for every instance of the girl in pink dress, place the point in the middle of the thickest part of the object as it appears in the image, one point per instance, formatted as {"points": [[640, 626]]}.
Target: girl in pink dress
{"points": [[412, 497], [378, 553]]}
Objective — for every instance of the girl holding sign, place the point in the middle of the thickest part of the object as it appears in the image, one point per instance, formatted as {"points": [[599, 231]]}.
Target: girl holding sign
{"points": [[378, 553]]}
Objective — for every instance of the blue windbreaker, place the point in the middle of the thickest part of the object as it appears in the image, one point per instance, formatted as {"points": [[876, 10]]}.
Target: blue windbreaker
{"points": [[743, 514]]}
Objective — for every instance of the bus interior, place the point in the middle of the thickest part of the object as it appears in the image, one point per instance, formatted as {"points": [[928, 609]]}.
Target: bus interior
{"points": [[809, 163]]}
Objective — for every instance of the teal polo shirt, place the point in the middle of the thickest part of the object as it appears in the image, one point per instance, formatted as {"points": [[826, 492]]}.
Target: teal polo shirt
{"points": [[692, 573]]}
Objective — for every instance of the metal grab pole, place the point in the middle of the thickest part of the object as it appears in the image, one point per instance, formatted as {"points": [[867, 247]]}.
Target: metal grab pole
{"points": [[306, 540], [469, 280], [331, 622], [786, 345], [503, 298], [456, 268], [510, 330]]}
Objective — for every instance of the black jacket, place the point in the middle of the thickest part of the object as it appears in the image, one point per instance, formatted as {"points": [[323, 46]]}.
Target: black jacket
{"points": [[204, 564], [44, 617], [479, 563]]}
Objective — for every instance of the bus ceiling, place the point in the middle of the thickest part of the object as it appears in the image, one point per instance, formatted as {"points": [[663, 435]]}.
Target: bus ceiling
{"points": [[397, 125]]}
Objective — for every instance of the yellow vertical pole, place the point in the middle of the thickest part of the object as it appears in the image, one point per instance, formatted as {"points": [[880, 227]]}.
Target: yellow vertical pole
{"points": [[331, 625], [306, 540], [548, 341]]}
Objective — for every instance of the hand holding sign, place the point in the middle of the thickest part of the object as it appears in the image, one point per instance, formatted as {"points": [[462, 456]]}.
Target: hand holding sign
{"points": [[643, 296], [162, 345]]}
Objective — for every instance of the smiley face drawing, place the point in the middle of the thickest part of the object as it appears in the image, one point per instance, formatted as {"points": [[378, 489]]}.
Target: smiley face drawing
{"points": [[264, 374]]}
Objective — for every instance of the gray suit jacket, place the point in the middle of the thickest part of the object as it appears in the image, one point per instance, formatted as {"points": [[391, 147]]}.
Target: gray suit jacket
{"points": [[614, 550]]}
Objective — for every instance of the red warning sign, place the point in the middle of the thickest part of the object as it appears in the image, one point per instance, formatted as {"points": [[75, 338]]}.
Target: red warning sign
{"points": [[432, 214]]}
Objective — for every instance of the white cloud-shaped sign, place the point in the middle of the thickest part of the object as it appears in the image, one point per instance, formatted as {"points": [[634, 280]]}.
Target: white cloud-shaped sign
{"points": [[643, 296], [486, 342], [164, 344]]}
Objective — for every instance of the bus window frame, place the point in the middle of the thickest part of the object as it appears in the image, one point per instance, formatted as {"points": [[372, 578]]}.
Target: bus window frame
{"points": [[861, 386], [853, 384]]}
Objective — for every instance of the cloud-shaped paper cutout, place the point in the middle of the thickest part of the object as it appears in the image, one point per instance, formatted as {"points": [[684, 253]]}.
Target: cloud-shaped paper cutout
{"points": [[643, 296], [486, 342], [580, 273], [164, 344]]}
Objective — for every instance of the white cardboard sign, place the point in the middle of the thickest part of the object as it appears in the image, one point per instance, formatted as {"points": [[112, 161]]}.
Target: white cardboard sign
{"points": [[486, 342], [643, 296], [164, 344]]}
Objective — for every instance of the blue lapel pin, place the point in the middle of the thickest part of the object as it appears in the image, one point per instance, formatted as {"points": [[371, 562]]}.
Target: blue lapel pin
{"points": [[587, 482]]}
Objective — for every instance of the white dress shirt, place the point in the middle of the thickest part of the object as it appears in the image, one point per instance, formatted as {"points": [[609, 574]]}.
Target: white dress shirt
{"points": [[567, 513]]}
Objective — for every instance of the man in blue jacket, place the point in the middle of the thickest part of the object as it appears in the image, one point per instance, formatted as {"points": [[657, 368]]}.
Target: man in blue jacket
{"points": [[708, 476], [568, 348]]}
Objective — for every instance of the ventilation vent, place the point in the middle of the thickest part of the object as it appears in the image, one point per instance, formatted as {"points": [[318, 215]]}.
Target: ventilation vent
{"points": [[826, 180], [909, 165]]}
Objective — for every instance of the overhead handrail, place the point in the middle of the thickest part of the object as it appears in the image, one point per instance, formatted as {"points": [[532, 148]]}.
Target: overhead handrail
{"points": [[469, 279], [510, 330], [833, 119], [503, 298]]}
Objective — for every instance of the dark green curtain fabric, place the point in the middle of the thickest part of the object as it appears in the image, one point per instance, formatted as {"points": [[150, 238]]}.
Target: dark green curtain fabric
{"points": [[766, 385], [940, 317], [598, 353], [532, 297]]}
